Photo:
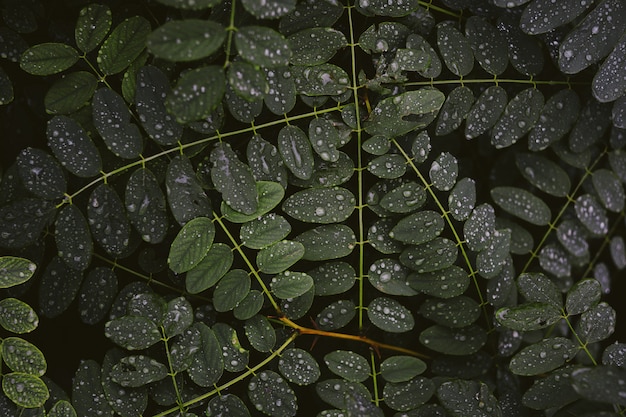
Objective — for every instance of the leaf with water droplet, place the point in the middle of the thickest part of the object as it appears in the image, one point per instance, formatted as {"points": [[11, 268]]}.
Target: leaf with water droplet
{"points": [[609, 82], [591, 125], [389, 315], [186, 40], [525, 51], [197, 93], [384, 8], [443, 171], [388, 166], [320, 205], [333, 278], [260, 333], [348, 365], [25, 390], [401, 368], [468, 398], [462, 199], [454, 110], [231, 289], [265, 161], [281, 94], [418, 228], [55, 294], [17, 317], [132, 332], [138, 370], [543, 174], [490, 260], [593, 38], [544, 356], [123, 45], [337, 392], [455, 50], [591, 214], [298, 366], [23, 220], [390, 277], [111, 118], [191, 244], [406, 198], [227, 405], [555, 390], [48, 58], [336, 315], [556, 119], [234, 180], [97, 294], [279, 256], [41, 174], [597, 323], [22, 356], [384, 37], [600, 383], [519, 116], [324, 139], [327, 242], [249, 306], [271, 394], [262, 46], [320, 80], [315, 46], [73, 238], [445, 283], [6, 88], [295, 149], [185, 195], [480, 227], [92, 26], [488, 45], [460, 311], [417, 42], [542, 16], [435, 255], [609, 189], [62, 408], [454, 341], [522, 204], [536, 287], [15, 271], [177, 317], [264, 231], [207, 364], [270, 194], [145, 206], [289, 284], [618, 251], [70, 93], [486, 111], [529, 316], [408, 395], [73, 147]]}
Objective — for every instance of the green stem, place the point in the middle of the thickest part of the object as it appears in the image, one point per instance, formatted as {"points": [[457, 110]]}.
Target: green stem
{"points": [[172, 373], [231, 29]]}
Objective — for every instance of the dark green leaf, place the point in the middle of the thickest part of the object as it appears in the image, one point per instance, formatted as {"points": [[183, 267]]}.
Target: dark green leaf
{"points": [[227, 405], [609, 189], [555, 390], [210, 269], [536, 287], [336, 315], [401, 368], [597, 323], [590, 126], [454, 110], [48, 58], [260, 333], [324, 139], [17, 317], [462, 199], [73, 147], [270, 194], [191, 5], [416, 42], [519, 116], [299, 366], [584, 295], [73, 238], [297, 307], [348, 365], [327, 242], [271, 394], [70, 93], [279, 256], [418, 228], [235, 356], [377, 145], [530, 316], [178, 316], [123, 45], [207, 363], [410, 60], [264, 231], [315, 46], [457, 341], [132, 332], [591, 214], [6, 88], [107, 220], [249, 306], [272, 9], [231, 289], [281, 96], [618, 251], [468, 398], [25, 390], [234, 180], [111, 118], [337, 392], [291, 284], [92, 26], [455, 50], [186, 197], [333, 278], [186, 40], [488, 45], [41, 174], [486, 111], [145, 206], [542, 16], [138, 370], [445, 283], [406, 198], [242, 108], [58, 288], [384, 37], [148, 305], [320, 80], [522, 204], [408, 395], [197, 93], [390, 277], [608, 82], [320, 205], [22, 356], [384, 8], [454, 312], [62, 408], [21, 223], [555, 260], [87, 392], [543, 174], [265, 161], [388, 166], [556, 119], [310, 14], [543, 356], [247, 81], [443, 171], [262, 46], [525, 51], [600, 383], [389, 315], [97, 294]]}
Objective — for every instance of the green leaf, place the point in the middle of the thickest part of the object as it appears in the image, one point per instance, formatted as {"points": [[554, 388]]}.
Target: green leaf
{"points": [[249, 306], [22, 356], [408, 395], [390, 277], [387, 166], [70, 93], [338, 392], [320, 205], [591, 124], [279, 256], [377, 145], [454, 341], [418, 228], [41, 174], [97, 294], [522, 204], [584, 295], [298, 366], [111, 118], [21, 223], [87, 391], [348, 365], [555, 390], [73, 238], [56, 295], [186, 40], [401, 368], [265, 161], [416, 42], [247, 81], [62, 408], [488, 45], [591, 214], [521, 240], [123, 45], [327, 242], [585, 44], [554, 260], [542, 16], [227, 405], [606, 86], [48, 58], [281, 96], [152, 86], [15, 271], [609, 189], [573, 237], [333, 278], [597, 323], [519, 116], [389, 315], [462, 199], [407, 59], [296, 152], [542, 357], [315, 46], [132, 332], [384, 8], [262, 46], [197, 94], [600, 383], [324, 139], [17, 317], [178, 316], [25, 390], [148, 305], [138, 370], [186, 197], [264, 231], [270, 194], [291, 284], [529, 316], [271, 394], [536, 287], [107, 220], [145, 206], [92, 26], [395, 116], [525, 51], [406, 198], [272, 9], [444, 171], [454, 110], [336, 315], [210, 269], [234, 180], [454, 312], [445, 283], [468, 398], [486, 111], [297, 307], [242, 108], [73, 147], [556, 119], [231, 289], [260, 333], [207, 363], [455, 50], [543, 174], [320, 80]]}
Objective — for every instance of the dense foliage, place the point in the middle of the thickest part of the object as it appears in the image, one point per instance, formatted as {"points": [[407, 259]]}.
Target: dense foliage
{"points": [[314, 207]]}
